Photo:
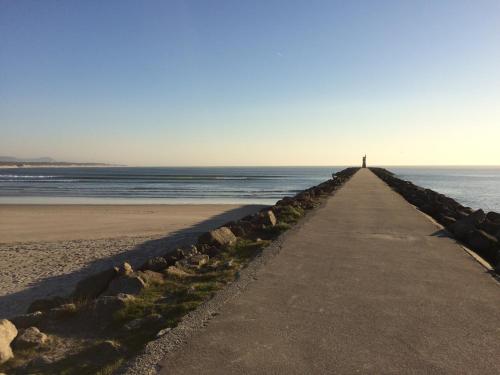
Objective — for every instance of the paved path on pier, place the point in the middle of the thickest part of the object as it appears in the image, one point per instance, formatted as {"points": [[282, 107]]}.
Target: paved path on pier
{"points": [[366, 285]]}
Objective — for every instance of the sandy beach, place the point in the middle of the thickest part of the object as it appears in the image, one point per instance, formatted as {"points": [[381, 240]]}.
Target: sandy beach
{"points": [[46, 249]]}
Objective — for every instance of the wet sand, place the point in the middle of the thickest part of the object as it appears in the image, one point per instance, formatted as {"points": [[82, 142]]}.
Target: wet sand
{"points": [[46, 249]]}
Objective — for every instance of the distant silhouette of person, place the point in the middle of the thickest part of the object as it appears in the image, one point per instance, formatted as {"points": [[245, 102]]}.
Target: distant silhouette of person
{"points": [[364, 161]]}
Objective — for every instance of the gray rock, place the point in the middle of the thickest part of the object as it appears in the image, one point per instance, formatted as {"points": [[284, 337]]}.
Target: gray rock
{"points": [[490, 226], [221, 237], [8, 332], [447, 220], [484, 243], [198, 260], [125, 269], [126, 284], [466, 225], [477, 217], [30, 337], [268, 218], [494, 217], [94, 285]]}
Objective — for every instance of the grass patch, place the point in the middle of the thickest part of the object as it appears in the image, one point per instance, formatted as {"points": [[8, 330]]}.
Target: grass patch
{"points": [[111, 368], [274, 231], [244, 250], [290, 214]]}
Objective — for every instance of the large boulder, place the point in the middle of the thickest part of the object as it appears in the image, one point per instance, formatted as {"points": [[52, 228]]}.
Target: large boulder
{"points": [[463, 227], [30, 337], [494, 217], [126, 284], [476, 217], [94, 285], [8, 332], [490, 226], [268, 218], [460, 214], [218, 237], [485, 244], [447, 221]]}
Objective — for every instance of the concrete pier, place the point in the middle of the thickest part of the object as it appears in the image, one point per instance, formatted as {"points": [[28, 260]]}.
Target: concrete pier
{"points": [[366, 285]]}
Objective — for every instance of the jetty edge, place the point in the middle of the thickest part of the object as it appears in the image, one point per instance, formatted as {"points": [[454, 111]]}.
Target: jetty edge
{"points": [[476, 229], [112, 315]]}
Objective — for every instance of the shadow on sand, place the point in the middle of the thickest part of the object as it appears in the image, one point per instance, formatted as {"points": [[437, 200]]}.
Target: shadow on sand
{"points": [[17, 303]]}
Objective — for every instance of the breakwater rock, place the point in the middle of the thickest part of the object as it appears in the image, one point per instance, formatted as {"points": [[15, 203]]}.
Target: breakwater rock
{"points": [[478, 230]]}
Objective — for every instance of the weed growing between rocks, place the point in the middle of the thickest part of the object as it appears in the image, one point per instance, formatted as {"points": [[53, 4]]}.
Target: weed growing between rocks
{"points": [[112, 315]]}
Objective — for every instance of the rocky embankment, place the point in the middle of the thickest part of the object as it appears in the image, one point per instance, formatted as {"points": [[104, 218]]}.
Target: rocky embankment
{"points": [[110, 316], [478, 230]]}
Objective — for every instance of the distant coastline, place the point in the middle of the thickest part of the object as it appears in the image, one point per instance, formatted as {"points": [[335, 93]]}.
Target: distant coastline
{"points": [[53, 165]]}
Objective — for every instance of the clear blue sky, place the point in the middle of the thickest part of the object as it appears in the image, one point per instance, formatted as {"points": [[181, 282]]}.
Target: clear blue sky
{"points": [[251, 83]]}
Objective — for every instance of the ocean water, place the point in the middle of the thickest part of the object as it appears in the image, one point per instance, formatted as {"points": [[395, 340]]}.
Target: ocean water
{"points": [[157, 185], [476, 187]]}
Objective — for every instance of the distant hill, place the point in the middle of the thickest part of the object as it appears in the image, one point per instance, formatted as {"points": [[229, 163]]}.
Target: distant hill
{"points": [[13, 159]]}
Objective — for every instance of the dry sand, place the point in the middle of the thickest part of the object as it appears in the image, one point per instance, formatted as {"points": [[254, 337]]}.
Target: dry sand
{"points": [[46, 249]]}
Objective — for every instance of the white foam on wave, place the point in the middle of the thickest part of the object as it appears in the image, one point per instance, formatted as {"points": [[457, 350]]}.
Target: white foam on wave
{"points": [[23, 176]]}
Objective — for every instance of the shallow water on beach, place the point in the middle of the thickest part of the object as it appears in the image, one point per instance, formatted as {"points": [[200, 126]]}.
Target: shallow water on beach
{"points": [[477, 187]]}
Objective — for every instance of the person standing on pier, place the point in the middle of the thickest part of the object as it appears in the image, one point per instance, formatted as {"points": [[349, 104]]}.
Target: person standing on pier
{"points": [[364, 161]]}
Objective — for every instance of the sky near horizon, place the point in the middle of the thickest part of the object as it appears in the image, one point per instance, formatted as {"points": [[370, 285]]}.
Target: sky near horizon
{"points": [[251, 83]]}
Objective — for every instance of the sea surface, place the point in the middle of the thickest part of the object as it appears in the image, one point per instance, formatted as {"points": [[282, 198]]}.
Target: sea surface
{"points": [[477, 187], [238, 185]]}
